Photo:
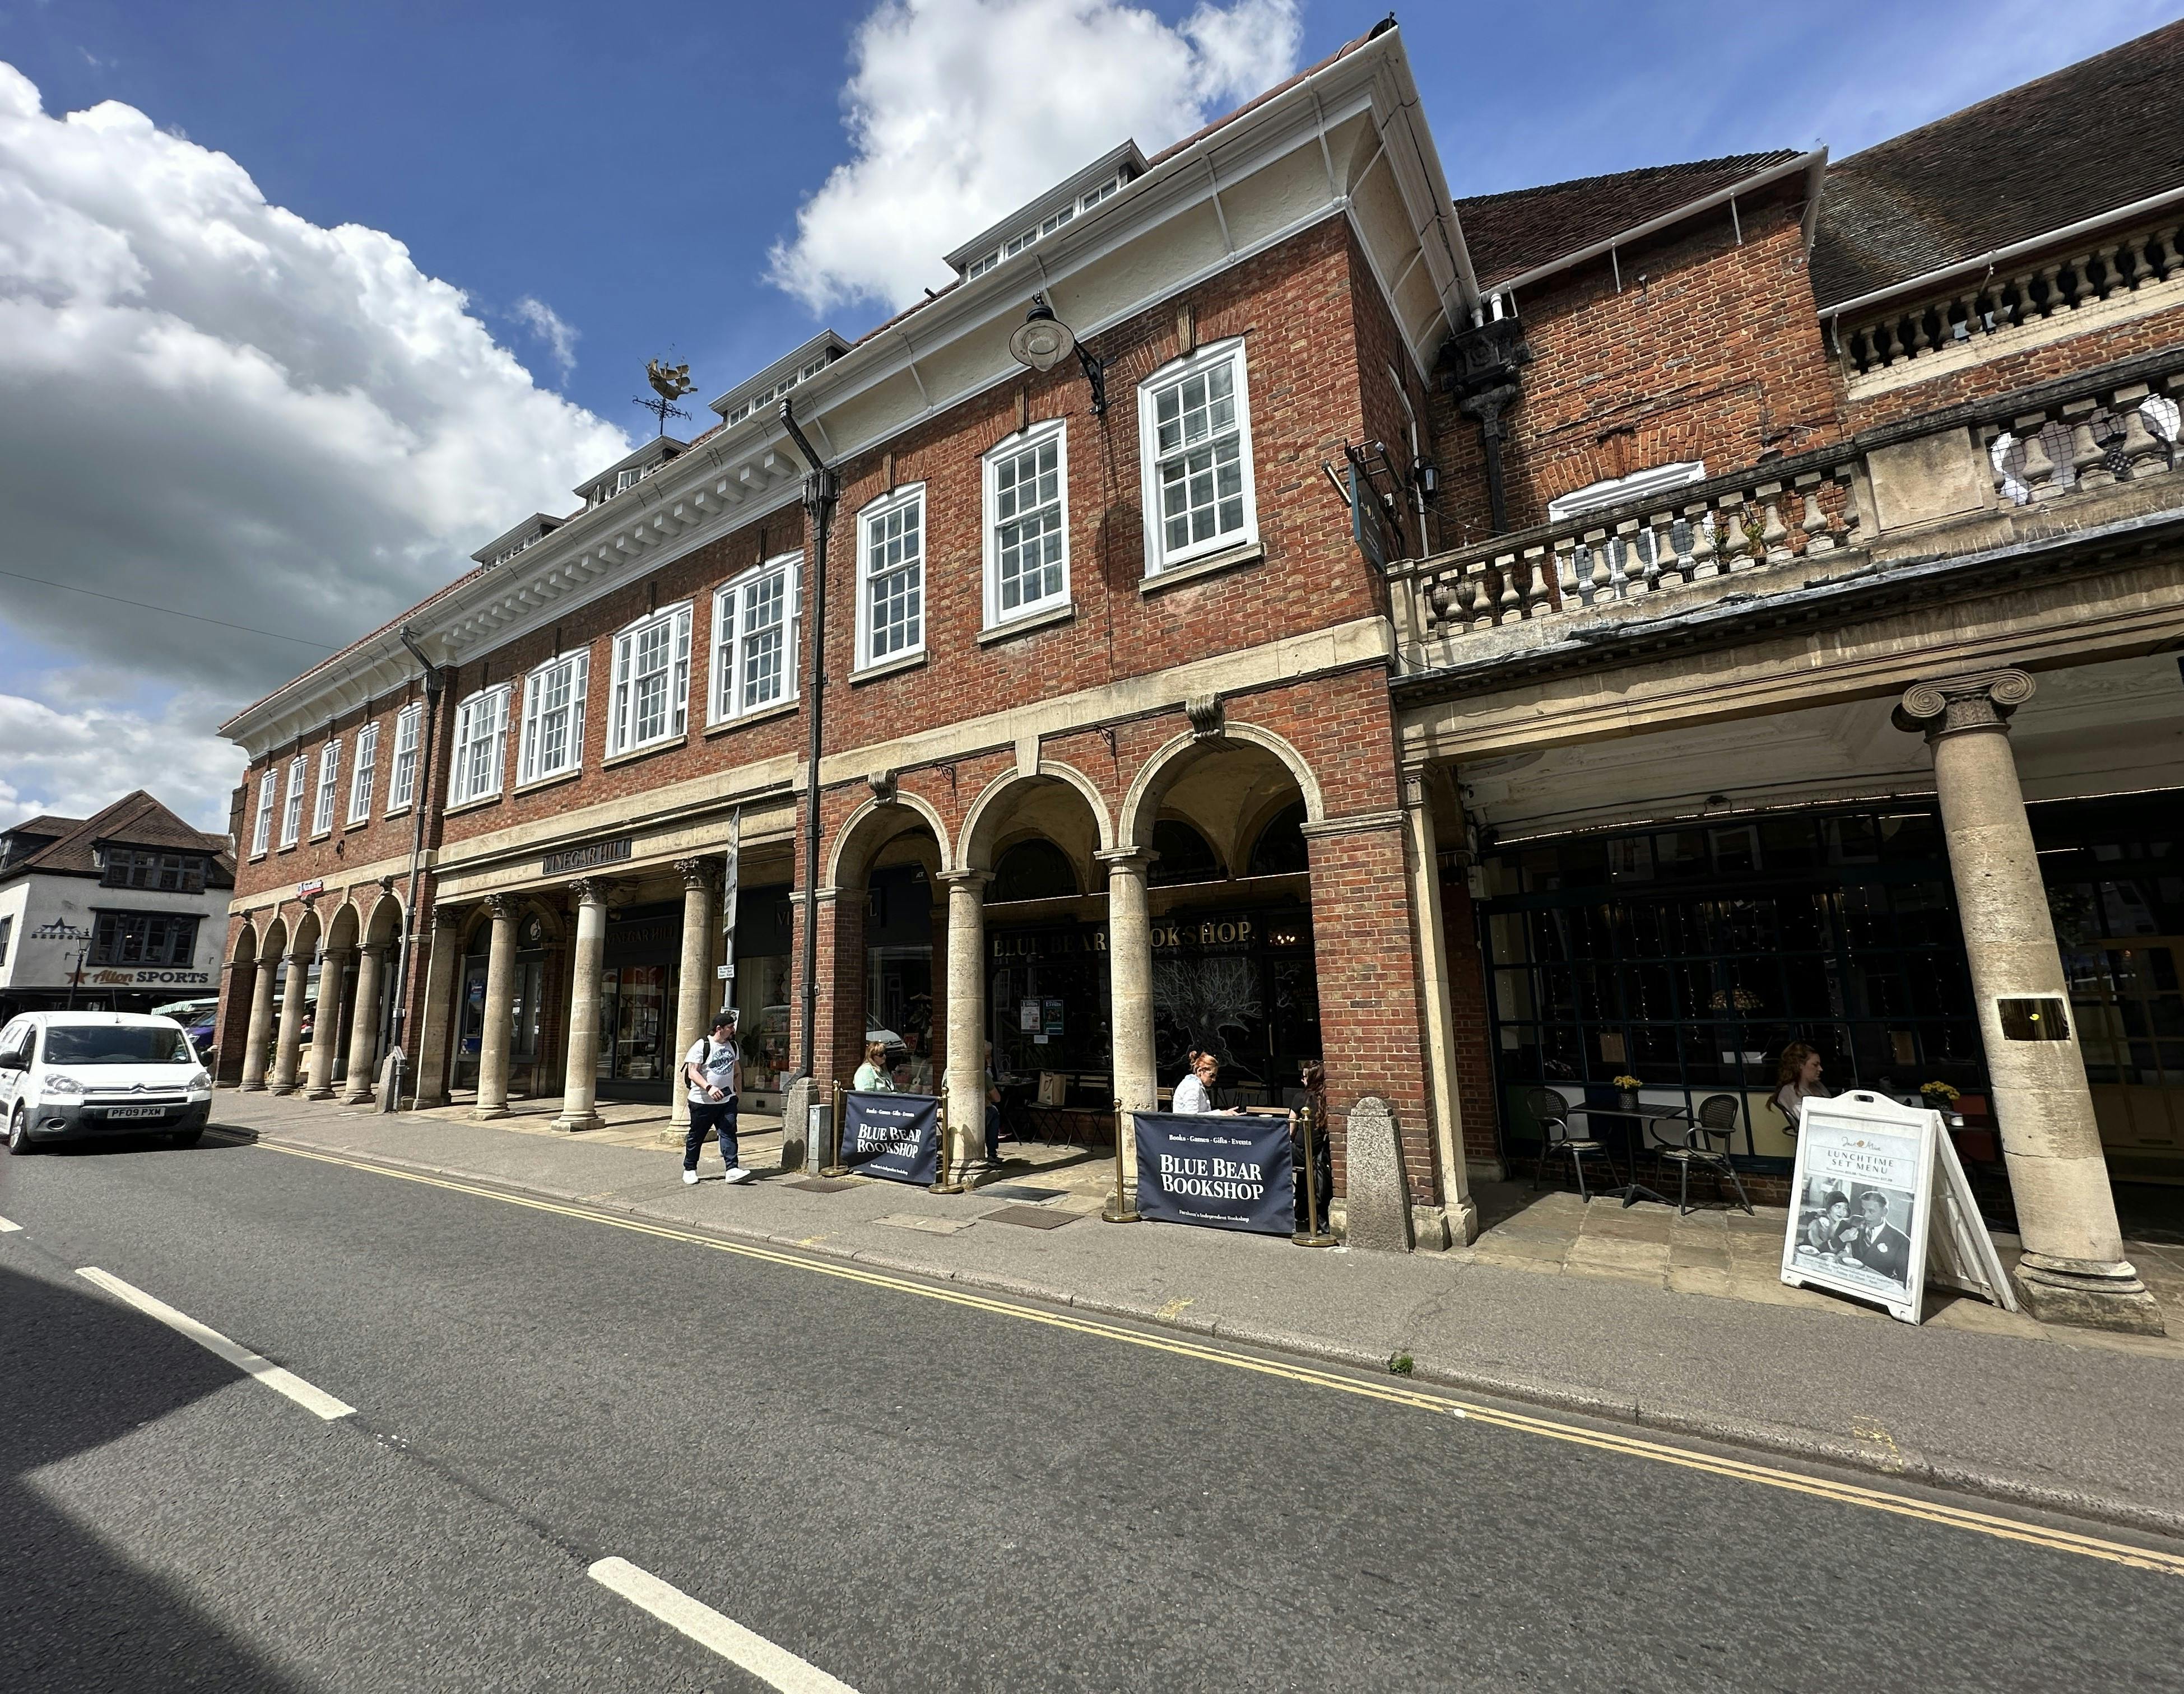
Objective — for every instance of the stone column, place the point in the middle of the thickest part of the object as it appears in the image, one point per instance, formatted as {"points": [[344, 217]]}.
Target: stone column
{"points": [[498, 1027], [287, 1048], [1443, 1097], [579, 1084], [429, 1063], [967, 1015], [2073, 1270], [694, 986], [364, 1021], [326, 1031], [260, 1033], [1130, 995]]}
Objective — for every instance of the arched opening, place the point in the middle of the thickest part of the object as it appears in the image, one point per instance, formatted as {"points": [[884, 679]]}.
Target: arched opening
{"points": [[890, 929], [534, 1065], [334, 1002], [1233, 972], [1033, 869]]}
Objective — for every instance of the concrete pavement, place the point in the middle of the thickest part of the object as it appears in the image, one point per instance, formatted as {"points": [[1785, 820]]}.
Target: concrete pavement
{"points": [[2048, 1417]]}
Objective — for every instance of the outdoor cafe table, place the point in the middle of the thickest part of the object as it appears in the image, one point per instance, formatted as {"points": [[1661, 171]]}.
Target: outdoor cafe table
{"points": [[1635, 1121]]}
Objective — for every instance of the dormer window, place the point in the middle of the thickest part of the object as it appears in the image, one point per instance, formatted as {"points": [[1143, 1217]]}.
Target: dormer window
{"points": [[1066, 212]]}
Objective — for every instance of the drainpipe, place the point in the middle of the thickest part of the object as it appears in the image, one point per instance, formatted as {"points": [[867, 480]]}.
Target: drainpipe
{"points": [[819, 490], [398, 1003]]}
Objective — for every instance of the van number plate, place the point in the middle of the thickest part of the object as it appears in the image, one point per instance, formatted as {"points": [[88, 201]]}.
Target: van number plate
{"points": [[117, 1111]]}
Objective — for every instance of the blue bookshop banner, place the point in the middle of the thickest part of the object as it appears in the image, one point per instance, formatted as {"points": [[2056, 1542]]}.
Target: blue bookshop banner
{"points": [[1222, 1172], [892, 1135]]}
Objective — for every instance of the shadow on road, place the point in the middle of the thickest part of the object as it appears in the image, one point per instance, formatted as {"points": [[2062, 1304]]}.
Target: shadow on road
{"points": [[80, 1372]]}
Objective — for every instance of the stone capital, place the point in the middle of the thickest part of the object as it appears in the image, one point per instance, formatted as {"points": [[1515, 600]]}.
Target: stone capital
{"points": [[503, 906], [591, 890], [337, 956], [1981, 700], [447, 917], [376, 949], [975, 881], [696, 873], [1130, 861]]}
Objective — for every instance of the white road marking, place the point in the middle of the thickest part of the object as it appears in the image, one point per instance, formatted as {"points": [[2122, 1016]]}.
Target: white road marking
{"points": [[5, 1226], [272, 1375], [776, 1667]]}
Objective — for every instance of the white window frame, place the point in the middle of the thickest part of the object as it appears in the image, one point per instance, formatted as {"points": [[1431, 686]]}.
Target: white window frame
{"points": [[408, 753], [322, 801], [730, 679], [909, 495], [481, 720], [1159, 556], [1030, 440], [621, 730], [269, 794], [574, 669], [364, 775], [291, 804], [1658, 479]]}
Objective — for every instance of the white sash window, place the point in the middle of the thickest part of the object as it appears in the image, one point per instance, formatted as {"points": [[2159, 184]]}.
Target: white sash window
{"points": [[480, 739], [651, 701], [402, 779], [365, 774], [261, 836], [891, 577], [755, 626], [1028, 524], [322, 809], [554, 716], [1194, 438], [292, 809]]}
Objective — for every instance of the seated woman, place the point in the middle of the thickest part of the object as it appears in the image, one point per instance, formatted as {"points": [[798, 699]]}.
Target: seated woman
{"points": [[872, 1076], [1796, 1081], [1193, 1094]]}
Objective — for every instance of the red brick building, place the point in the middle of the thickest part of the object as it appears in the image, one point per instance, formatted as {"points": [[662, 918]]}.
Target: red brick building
{"points": [[1388, 570]]}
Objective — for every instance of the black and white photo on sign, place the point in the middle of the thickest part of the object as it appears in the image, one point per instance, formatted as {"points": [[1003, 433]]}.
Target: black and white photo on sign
{"points": [[1863, 1229]]}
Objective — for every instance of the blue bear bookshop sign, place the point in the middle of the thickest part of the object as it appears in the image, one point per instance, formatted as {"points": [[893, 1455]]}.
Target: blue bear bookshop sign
{"points": [[1217, 1171], [892, 1135]]}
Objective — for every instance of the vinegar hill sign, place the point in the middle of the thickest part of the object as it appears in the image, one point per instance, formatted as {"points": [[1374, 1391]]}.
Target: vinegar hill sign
{"points": [[585, 858]]}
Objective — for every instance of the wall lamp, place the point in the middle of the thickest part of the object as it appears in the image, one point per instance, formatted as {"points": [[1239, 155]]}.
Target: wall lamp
{"points": [[1043, 340], [1426, 475]]}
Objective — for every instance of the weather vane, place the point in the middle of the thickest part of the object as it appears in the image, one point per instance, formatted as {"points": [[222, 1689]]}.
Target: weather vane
{"points": [[670, 383]]}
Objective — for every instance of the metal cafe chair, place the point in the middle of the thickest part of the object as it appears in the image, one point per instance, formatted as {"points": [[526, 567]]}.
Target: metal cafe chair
{"points": [[1550, 1111], [1715, 1122]]}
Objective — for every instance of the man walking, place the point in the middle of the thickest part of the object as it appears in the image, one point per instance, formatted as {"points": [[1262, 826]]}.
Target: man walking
{"points": [[710, 1069]]}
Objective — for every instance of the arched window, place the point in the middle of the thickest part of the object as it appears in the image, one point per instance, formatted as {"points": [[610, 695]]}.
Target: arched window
{"points": [[1033, 870], [1183, 855], [1280, 848]]}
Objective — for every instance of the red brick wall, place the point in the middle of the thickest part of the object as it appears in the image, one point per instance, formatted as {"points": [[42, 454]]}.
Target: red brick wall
{"points": [[1717, 355]]}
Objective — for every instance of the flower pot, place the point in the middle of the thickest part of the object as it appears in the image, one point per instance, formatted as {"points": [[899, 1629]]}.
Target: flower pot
{"points": [[1627, 1100]]}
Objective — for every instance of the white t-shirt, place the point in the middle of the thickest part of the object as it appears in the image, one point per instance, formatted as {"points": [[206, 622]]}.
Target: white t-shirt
{"points": [[1191, 1099], [717, 1064]]}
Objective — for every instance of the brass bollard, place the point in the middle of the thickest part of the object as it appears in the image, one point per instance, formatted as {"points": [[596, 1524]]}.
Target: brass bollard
{"points": [[940, 1183], [1314, 1236], [837, 1168], [1117, 1209]]}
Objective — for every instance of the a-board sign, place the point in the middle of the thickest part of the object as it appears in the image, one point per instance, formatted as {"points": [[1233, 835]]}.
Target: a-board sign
{"points": [[1219, 1171], [1880, 1204], [892, 1135]]}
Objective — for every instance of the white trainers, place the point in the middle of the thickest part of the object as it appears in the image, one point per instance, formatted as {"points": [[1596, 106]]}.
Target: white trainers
{"points": [[689, 1176], [738, 1174]]}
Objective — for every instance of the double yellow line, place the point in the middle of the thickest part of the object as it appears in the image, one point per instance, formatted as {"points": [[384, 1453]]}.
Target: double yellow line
{"points": [[1394, 1394]]}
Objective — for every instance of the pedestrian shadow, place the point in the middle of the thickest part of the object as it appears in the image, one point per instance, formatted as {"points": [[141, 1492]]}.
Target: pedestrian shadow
{"points": [[80, 1372]]}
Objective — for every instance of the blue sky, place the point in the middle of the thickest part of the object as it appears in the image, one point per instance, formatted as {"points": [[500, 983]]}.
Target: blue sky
{"points": [[603, 185]]}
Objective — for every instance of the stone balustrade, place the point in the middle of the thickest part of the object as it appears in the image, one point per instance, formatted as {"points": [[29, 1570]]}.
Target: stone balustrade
{"points": [[2011, 298], [1800, 509], [2105, 436]]}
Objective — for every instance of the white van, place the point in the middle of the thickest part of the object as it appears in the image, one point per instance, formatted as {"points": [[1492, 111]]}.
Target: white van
{"points": [[81, 1073]]}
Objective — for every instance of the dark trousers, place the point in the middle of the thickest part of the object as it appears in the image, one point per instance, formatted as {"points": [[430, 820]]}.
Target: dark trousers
{"points": [[992, 1133], [711, 1117]]}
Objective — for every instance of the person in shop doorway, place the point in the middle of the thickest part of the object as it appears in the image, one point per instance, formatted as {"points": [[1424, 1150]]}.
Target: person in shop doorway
{"points": [[1193, 1094], [1312, 1083], [873, 1076], [710, 1069], [1798, 1080], [992, 1110]]}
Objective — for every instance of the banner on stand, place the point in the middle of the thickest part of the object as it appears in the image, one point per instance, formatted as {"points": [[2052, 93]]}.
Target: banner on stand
{"points": [[1218, 1171], [892, 1135]]}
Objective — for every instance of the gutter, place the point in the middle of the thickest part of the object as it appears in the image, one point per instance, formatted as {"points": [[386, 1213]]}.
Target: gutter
{"points": [[1927, 279], [819, 489], [1809, 164]]}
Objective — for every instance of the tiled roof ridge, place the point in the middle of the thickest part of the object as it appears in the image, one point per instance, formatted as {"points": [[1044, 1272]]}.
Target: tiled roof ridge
{"points": [[1743, 164], [113, 822]]}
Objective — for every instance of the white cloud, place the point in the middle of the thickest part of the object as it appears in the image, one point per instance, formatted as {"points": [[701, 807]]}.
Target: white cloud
{"points": [[76, 762], [208, 402], [551, 327], [960, 110]]}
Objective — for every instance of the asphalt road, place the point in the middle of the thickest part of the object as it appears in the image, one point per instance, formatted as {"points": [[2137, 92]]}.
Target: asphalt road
{"points": [[904, 1491]]}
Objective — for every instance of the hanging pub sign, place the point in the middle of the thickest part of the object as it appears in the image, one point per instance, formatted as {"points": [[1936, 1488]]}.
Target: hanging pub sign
{"points": [[1218, 1170], [1882, 1205], [892, 1135]]}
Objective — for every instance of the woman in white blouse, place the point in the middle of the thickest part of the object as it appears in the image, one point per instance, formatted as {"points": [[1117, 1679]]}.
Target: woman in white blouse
{"points": [[1193, 1094]]}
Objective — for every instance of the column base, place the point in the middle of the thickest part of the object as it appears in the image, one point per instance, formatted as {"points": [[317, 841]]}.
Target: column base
{"points": [[250, 1088], [357, 1097], [428, 1102], [576, 1124], [2088, 1294], [485, 1114], [280, 1088], [318, 1093]]}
